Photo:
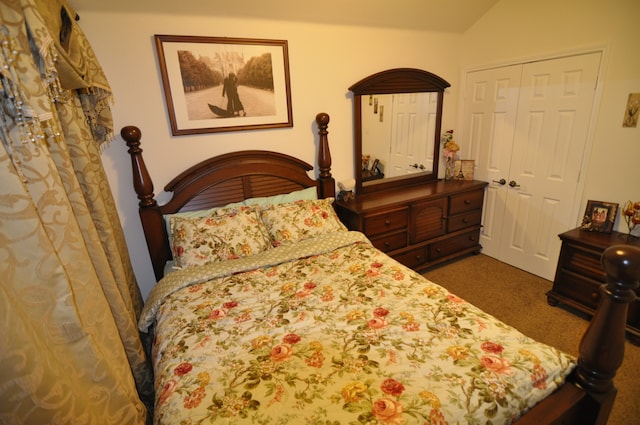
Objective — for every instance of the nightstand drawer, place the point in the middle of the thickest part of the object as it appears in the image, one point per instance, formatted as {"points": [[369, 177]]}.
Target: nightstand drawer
{"points": [[578, 288], [466, 201], [460, 221], [376, 224], [454, 244], [390, 242], [583, 261]]}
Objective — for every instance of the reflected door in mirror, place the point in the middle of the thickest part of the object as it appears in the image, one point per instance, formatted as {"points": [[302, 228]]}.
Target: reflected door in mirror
{"points": [[399, 130]]}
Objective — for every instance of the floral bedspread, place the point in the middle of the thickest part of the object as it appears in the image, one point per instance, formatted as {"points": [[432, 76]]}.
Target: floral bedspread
{"points": [[343, 335]]}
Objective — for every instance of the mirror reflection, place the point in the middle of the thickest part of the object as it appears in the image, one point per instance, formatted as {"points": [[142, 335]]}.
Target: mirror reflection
{"points": [[397, 120], [398, 134]]}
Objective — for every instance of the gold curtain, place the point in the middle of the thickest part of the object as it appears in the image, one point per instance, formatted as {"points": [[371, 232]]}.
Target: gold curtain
{"points": [[69, 347]]}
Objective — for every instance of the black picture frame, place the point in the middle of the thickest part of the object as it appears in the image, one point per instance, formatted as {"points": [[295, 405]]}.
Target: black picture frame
{"points": [[599, 216]]}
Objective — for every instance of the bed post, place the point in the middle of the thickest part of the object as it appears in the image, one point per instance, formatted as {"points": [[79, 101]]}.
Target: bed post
{"points": [[325, 180], [602, 346], [150, 215]]}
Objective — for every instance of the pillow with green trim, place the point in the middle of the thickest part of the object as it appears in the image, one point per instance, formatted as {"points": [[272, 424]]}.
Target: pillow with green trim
{"points": [[295, 221]]}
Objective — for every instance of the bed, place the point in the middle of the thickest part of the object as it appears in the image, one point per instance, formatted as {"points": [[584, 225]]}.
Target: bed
{"points": [[267, 310]]}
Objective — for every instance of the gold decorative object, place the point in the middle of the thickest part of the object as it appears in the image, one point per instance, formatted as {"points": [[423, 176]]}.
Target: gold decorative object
{"points": [[365, 161], [449, 154], [631, 214]]}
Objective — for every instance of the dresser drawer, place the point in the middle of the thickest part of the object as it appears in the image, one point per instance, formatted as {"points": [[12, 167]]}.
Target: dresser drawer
{"points": [[413, 258], [452, 245], [375, 224], [390, 242], [579, 288], [466, 201], [460, 221]]}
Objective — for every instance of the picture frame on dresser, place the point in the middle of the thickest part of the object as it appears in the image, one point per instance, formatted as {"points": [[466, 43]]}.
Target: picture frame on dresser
{"points": [[464, 169], [599, 216]]}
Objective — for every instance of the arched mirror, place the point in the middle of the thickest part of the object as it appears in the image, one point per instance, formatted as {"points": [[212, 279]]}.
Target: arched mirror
{"points": [[397, 119]]}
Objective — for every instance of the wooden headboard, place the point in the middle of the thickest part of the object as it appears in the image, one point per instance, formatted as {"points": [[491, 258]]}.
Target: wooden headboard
{"points": [[220, 180]]}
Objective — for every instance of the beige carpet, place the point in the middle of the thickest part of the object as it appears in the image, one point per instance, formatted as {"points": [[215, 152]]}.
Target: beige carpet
{"points": [[518, 299]]}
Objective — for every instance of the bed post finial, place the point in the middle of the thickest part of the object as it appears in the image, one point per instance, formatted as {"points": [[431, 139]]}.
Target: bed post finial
{"points": [[328, 185], [149, 210], [602, 346], [141, 180]]}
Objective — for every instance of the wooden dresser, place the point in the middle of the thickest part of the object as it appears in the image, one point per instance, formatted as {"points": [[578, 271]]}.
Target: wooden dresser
{"points": [[420, 225], [580, 274]]}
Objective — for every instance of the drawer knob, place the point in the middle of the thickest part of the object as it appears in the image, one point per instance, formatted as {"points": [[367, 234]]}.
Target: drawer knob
{"points": [[387, 244], [467, 202], [438, 250], [465, 220], [418, 257], [595, 296], [387, 222]]}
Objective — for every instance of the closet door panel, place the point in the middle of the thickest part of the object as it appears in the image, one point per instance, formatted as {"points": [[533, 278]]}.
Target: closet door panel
{"points": [[491, 100], [554, 110]]}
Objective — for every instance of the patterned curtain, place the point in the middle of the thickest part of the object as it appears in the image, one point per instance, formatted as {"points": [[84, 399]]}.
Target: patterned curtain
{"points": [[69, 347]]}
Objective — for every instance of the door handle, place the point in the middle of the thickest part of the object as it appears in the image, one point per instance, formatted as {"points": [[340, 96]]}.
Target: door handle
{"points": [[513, 184], [501, 182]]}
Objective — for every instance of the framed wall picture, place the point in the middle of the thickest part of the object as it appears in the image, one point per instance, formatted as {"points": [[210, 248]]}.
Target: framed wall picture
{"points": [[599, 216], [214, 84]]}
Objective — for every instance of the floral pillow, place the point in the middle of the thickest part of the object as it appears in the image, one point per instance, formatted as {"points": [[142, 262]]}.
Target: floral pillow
{"points": [[295, 221], [203, 240]]}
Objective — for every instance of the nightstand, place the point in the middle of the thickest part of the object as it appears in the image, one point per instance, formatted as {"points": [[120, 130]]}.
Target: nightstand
{"points": [[579, 274]]}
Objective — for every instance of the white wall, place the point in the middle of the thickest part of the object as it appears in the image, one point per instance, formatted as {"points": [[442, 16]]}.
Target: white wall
{"points": [[524, 30], [324, 61]]}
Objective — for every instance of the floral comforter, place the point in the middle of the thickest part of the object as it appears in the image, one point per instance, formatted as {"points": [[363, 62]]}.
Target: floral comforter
{"points": [[332, 331]]}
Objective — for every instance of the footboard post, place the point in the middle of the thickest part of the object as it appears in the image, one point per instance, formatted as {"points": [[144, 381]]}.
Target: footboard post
{"points": [[602, 346], [327, 182]]}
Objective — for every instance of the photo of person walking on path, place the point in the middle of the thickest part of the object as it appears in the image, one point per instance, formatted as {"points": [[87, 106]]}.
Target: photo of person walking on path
{"points": [[230, 88]]}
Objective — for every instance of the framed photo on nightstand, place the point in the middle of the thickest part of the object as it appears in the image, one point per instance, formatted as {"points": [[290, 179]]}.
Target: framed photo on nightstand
{"points": [[599, 216]]}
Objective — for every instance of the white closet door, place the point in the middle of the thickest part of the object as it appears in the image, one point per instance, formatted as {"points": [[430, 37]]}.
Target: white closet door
{"points": [[489, 126], [547, 134]]}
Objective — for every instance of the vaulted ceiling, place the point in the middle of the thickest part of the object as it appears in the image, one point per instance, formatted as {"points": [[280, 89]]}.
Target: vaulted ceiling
{"points": [[428, 15]]}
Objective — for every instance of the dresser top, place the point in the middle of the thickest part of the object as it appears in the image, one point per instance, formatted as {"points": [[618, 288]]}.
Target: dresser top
{"points": [[403, 196]]}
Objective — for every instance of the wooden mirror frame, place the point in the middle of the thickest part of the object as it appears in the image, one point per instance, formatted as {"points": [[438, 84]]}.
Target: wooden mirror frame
{"points": [[397, 80]]}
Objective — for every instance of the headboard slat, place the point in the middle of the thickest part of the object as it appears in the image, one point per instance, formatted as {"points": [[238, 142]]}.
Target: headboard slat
{"points": [[269, 186], [216, 196]]}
